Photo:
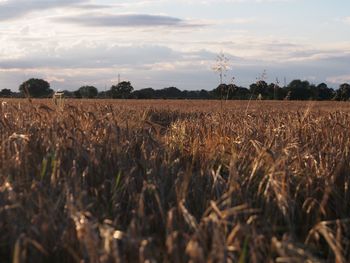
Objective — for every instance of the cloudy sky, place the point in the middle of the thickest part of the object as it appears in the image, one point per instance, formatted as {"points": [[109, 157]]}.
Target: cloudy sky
{"points": [[160, 43]]}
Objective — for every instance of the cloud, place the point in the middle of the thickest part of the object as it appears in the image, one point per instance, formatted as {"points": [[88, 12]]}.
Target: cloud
{"points": [[126, 20], [93, 6], [339, 79], [69, 66], [12, 9], [93, 56], [346, 20], [88, 63]]}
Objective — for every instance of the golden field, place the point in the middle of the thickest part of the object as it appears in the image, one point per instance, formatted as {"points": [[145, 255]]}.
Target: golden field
{"points": [[174, 181]]}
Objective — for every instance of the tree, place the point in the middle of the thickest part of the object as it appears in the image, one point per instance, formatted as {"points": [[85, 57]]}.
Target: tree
{"points": [[147, 93], [241, 93], [204, 94], [230, 91], [260, 87], [279, 93], [122, 90], [343, 93], [68, 94], [224, 91], [5, 93], [221, 66], [322, 92], [299, 90], [87, 92], [273, 91], [170, 93], [37, 88]]}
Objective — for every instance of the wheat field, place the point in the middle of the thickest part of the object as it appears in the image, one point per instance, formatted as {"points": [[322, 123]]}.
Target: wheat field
{"points": [[174, 181]]}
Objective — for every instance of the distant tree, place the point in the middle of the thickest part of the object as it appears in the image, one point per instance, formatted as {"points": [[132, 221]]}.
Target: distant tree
{"points": [[241, 93], [37, 88], [343, 93], [224, 91], [260, 87], [171, 93], [122, 90], [230, 91], [322, 92], [270, 91], [68, 94], [104, 94], [204, 94], [190, 94], [299, 90], [87, 92], [196, 94], [147, 93], [279, 93], [76, 94], [5, 93]]}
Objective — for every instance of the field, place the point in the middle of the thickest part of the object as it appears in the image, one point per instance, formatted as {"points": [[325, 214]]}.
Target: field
{"points": [[174, 181]]}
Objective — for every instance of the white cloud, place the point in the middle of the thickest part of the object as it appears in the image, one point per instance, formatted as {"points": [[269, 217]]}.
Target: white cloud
{"points": [[339, 79], [13, 9], [346, 20]]}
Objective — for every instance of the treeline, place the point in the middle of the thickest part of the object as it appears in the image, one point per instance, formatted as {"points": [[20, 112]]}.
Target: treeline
{"points": [[295, 90]]}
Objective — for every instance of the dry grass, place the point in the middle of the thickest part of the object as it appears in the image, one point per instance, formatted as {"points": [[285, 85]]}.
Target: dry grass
{"points": [[174, 181]]}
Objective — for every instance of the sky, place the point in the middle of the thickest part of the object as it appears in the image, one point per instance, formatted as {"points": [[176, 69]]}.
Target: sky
{"points": [[163, 43]]}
